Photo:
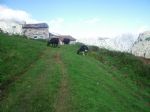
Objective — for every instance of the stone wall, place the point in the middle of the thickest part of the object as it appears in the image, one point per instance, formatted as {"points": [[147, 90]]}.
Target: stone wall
{"points": [[38, 33]]}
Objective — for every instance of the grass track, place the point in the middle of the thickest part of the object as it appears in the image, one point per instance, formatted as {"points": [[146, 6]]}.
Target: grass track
{"points": [[95, 88], [36, 90], [62, 81]]}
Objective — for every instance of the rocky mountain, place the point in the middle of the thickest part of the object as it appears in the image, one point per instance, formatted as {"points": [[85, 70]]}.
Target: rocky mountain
{"points": [[122, 42], [142, 46], [144, 36], [11, 26], [137, 45]]}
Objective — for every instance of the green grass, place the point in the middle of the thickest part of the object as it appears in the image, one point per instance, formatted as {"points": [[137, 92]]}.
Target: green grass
{"points": [[16, 54], [126, 63], [38, 76], [96, 87], [93, 84]]}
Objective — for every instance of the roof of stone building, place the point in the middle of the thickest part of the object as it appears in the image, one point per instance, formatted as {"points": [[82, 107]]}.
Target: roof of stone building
{"points": [[68, 37], [39, 25], [61, 37]]}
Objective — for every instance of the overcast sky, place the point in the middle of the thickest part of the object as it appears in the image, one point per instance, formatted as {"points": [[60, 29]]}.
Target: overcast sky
{"points": [[82, 18]]}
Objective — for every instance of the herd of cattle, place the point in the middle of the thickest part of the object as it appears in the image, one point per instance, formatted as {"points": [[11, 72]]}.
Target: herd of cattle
{"points": [[54, 42]]}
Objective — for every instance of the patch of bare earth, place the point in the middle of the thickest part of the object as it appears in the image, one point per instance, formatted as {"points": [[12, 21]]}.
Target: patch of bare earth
{"points": [[144, 60], [62, 103]]}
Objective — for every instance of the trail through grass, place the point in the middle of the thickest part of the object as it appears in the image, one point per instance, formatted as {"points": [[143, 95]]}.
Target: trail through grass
{"points": [[35, 91], [59, 80], [63, 99], [95, 87]]}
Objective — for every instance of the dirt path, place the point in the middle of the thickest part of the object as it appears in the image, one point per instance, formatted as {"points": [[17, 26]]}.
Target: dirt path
{"points": [[62, 103]]}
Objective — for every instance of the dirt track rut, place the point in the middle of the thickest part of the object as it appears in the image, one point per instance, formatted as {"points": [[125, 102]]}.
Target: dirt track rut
{"points": [[62, 102]]}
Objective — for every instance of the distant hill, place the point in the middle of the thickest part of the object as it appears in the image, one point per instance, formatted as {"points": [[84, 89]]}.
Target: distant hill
{"points": [[137, 45], [122, 42]]}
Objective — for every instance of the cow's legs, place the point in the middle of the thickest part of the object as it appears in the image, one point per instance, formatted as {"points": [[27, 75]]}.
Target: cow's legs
{"points": [[48, 43], [83, 53]]}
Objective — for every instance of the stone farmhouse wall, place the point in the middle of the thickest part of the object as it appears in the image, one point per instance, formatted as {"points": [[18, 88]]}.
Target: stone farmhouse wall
{"points": [[36, 33]]}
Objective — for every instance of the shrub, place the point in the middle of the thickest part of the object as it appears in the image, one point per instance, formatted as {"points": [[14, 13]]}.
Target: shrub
{"points": [[148, 39], [124, 62], [94, 48]]}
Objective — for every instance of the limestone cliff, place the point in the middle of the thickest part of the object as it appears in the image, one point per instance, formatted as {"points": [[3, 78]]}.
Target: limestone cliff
{"points": [[142, 46]]}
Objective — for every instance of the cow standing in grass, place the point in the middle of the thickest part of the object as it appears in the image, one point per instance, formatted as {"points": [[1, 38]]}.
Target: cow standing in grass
{"points": [[66, 41], [53, 42], [83, 50]]}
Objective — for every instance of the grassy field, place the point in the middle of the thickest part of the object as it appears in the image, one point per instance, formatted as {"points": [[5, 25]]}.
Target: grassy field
{"points": [[37, 78], [16, 56], [130, 66]]}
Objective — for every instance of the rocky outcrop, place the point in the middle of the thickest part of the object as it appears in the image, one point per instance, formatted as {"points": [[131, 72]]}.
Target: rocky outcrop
{"points": [[11, 26], [145, 36], [122, 42], [142, 45]]}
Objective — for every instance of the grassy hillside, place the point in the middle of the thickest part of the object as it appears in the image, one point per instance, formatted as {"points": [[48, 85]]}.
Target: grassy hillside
{"points": [[16, 56], [58, 80], [97, 87], [129, 65]]}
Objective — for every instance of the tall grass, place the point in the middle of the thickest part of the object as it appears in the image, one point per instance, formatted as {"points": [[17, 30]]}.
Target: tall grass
{"points": [[127, 63]]}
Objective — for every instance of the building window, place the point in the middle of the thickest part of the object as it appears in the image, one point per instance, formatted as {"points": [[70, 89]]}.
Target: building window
{"points": [[35, 37]]}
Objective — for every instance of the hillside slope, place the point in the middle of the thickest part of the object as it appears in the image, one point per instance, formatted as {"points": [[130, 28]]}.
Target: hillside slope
{"points": [[17, 55], [59, 80]]}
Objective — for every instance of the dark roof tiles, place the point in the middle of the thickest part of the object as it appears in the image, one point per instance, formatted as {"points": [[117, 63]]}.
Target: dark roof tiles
{"points": [[68, 37], [39, 25]]}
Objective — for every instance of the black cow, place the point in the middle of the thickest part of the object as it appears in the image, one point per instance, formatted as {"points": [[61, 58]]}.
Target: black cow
{"points": [[53, 42], [66, 41], [83, 49]]}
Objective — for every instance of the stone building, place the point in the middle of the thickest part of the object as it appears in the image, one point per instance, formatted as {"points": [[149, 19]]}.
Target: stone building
{"points": [[36, 31], [72, 39], [61, 37]]}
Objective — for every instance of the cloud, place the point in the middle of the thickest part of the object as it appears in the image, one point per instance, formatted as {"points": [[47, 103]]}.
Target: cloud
{"points": [[56, 22], [92, 21], [20, 16], [56, 25], [143, 28], [15, 15]]}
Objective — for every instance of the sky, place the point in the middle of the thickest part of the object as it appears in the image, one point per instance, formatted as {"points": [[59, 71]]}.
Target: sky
{"points": [[82, 18]]}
